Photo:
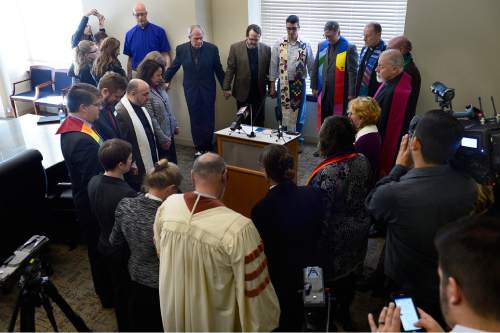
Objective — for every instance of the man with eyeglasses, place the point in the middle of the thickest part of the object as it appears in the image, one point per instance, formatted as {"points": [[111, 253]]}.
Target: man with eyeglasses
{"points": [[334, 76], [248, 65], [291, 60], [144, 38], [80, 144]]}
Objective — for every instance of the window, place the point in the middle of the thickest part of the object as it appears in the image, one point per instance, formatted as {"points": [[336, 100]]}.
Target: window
{"points": [[352, 16]]}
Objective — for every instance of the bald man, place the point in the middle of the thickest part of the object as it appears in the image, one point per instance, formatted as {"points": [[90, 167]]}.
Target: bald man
{"points": [[395, 97], [404, 46], [138, 128], [200, 61], [213, 269], [144, 38]]}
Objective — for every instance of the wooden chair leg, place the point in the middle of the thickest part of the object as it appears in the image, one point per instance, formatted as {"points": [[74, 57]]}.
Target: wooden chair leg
{"points": [[35, 105], [13, 104]]}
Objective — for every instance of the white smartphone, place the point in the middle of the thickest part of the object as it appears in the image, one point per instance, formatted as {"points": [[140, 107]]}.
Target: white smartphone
{"points": [[409, 314]]}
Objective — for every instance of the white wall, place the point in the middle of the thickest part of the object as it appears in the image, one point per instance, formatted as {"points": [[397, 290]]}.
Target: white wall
{"points": [[456, 42]]}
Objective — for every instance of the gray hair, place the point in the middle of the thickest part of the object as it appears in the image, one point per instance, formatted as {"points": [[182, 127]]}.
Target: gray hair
{"points": [[196, 26], [394, 57], [209, 165], [332, 25]]}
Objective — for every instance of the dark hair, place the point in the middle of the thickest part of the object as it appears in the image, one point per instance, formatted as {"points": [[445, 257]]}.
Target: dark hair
{"points": [[440, 135], [81, 94], [292, 19], [376, 27], [332, 25], [148, 68], [469, 251], [277, 162], [164, 174], [99, 36], [114, 151], [336, 136], [113, 82], [255, 28]]}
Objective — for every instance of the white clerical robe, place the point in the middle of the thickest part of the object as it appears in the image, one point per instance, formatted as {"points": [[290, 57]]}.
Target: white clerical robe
{"points": [[213, 270]]}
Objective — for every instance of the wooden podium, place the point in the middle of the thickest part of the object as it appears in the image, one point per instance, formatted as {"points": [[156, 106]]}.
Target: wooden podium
{"points": [[246, 181]]}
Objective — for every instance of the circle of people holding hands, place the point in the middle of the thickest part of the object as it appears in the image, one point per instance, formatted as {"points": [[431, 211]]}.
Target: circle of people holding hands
{"points": [[173, 261]]}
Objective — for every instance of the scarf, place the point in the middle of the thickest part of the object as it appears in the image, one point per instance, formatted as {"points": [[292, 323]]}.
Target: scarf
{"points": [[73, 124], [339, 89], [140, 133], [300, 71], [371, 63]]}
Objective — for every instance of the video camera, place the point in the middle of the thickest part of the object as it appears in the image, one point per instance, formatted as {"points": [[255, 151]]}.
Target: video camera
{"points": [[479, 152]]}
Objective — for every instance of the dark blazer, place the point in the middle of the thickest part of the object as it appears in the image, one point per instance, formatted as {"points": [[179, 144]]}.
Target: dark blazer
{"points": [[201, 74], [238, 68], [80, 154], [289, 222]]}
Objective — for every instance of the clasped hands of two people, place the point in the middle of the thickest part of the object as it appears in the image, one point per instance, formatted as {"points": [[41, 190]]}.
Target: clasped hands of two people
{"points": [[389, 320]]}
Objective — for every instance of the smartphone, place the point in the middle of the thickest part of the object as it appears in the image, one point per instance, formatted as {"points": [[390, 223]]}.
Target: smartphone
{"points": [[409, 314]]}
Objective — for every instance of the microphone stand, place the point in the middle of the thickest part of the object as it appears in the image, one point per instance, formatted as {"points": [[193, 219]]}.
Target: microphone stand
{"points": [[252, 133]]}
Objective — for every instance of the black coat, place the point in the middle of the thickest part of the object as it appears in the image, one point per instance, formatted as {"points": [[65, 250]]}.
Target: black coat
{"points": [[289, 222]]}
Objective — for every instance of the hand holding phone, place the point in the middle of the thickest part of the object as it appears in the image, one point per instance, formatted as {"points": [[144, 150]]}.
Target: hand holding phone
{"points": [[409, 314]]}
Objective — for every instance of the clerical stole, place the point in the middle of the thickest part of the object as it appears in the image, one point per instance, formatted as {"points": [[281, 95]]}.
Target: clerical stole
{"points": [[327, 162], [395, 121], [73, 124], [339, 89]]}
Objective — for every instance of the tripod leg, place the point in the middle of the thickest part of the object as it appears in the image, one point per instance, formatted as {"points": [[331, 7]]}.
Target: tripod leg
{"points": [[13, 319], [28, 312], [49, 310], [75, 319]]}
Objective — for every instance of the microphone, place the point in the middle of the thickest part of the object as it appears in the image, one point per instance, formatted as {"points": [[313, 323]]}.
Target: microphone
{"points": [[240, 116]]}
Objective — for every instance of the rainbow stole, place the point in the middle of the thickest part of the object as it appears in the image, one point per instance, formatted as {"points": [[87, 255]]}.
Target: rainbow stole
{"points": [[72, 124], [327, 162], [338, 98]]}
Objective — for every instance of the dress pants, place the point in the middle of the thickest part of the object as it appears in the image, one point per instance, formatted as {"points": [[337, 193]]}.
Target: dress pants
{"points": [[145, 312]]}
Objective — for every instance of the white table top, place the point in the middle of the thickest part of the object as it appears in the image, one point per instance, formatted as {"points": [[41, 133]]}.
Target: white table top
{"points": [[262, 135], [22, 133]]}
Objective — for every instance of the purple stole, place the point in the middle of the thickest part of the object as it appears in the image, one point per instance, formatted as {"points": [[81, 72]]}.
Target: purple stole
{"points": [[397, 113]]}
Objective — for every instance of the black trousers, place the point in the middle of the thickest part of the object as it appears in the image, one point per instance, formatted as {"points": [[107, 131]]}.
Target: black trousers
{"points": [[144, 309], [258, 110]]}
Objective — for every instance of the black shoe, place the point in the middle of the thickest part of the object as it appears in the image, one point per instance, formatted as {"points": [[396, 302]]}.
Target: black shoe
{"points": [[316, 153], [197, 154]]}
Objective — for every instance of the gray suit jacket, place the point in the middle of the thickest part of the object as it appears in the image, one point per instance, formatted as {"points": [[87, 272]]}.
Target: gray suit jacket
{"points": [[351, 70], [238, 68]]}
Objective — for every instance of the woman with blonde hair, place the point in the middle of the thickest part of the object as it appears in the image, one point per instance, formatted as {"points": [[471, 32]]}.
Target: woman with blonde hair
{"points": [[134, 220], [364, 113], [107, 61], [84, 55]]}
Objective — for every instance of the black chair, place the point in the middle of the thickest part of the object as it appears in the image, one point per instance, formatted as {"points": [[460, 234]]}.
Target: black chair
{"points": [[22, 200], [62, 83], [40, 85]]}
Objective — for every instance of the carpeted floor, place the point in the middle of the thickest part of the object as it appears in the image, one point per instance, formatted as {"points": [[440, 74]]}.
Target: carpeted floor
{"points": [[72, 272]]}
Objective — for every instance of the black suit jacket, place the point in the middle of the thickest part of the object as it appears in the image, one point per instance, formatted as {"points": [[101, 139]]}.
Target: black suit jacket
{"points": [[80, 155], [289, 222], [201, 74]]}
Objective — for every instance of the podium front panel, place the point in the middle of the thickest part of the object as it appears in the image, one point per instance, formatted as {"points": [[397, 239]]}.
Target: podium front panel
{"points": [[241, 155]]}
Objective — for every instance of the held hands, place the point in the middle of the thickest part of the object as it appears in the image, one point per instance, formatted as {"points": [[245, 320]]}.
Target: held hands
{"points": [[404, 156], [134, 170], [166, 146], [227, 94], [315, 93], [166, 85], [101, 21], [177, 131], [427, 322], [93, 11], [388, 321], [272, 90]]}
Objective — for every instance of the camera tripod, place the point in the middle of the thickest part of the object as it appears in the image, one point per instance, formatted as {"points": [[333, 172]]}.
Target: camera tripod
{"points": [[39, 291]]}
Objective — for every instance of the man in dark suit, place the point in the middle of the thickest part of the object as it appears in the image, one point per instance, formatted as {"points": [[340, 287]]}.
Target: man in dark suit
{"points": [[248, 64], [80, 144], [112, 87], [288, 219], [200, 61]]}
